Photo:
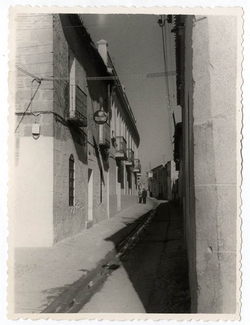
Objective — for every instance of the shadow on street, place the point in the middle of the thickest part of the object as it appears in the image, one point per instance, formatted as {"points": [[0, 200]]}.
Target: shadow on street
{"points": [[157, 266]]}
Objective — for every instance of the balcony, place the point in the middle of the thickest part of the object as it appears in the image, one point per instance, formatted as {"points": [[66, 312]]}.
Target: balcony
{"points": [[121, 148], [137, 166], [78, 106], [130, 155], [104, 135]]}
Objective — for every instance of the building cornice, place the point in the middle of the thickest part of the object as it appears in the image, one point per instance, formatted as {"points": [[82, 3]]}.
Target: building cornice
{"points": [[118, 88], [102, 70]]}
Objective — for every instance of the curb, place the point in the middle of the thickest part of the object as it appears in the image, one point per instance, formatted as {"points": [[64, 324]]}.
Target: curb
{"points": [[80, 292]]}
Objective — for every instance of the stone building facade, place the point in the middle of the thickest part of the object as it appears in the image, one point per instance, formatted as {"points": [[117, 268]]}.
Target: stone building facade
{"points": [[162, 181], [157, 182], [207, 58], [69, 173]]}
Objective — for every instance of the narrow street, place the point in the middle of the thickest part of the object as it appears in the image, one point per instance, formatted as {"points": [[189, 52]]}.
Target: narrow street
{"points": [[125, 166], [153, 277]]}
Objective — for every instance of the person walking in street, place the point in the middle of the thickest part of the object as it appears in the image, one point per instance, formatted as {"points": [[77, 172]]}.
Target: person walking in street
{"points": [[139, 196], [144, 196]]}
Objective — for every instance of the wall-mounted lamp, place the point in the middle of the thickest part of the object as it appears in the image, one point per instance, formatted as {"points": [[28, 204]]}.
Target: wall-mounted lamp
{"points": [[35, 131]]}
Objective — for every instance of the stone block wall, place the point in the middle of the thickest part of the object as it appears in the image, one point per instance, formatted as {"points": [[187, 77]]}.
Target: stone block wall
{"points": [[82, 143], [215, 166], [112, 186], [34, 54], [68, 140], [186, 185], [112, 205], [34, 154], [42, 163]]}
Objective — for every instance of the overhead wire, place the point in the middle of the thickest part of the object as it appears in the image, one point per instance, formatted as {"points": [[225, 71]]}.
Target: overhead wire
{"points": [[169, 48], [27, 73], [30, 103], [63, 27], [166, 81], [137, 76], [27, 47]]}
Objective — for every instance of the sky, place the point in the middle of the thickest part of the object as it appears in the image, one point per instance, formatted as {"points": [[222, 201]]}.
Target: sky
{"points": [[136, 48]]}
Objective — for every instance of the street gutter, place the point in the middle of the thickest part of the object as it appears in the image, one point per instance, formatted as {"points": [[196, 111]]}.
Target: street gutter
{"points": [[81, 291]]}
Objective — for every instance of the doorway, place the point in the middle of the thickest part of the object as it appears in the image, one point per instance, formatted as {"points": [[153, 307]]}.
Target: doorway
{"points": [[90, 194]]}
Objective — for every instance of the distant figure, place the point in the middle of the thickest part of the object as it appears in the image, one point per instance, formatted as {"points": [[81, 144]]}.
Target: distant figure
{"points": [[139, 196], [144, 196]]}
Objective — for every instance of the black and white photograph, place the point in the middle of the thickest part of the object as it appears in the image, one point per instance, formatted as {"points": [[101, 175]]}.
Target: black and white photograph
{"points": [[125, 163]]}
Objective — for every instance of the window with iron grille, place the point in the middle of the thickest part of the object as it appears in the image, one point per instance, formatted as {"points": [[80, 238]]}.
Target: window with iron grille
{"points": [[120, 174], [71, 180]]}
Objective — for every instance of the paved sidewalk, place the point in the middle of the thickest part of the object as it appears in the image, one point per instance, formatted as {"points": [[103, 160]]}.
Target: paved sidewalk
{"points": [[42, 274]]}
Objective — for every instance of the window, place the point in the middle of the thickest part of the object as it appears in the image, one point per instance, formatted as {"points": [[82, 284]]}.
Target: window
{"points": [[129, 178], [77, 97], [120, 174], [71, 180], [72, 79]]}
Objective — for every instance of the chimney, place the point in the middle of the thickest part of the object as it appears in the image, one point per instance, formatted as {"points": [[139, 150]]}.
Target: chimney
{"points": [[103, 50]]}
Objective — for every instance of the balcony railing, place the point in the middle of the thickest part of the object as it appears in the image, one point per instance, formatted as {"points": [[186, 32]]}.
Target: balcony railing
{"points": [[121, 148], [130, 155], [78, 106], [137, 166], [104, 135]]}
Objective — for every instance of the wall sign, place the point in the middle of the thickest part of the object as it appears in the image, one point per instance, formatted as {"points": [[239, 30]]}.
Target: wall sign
{"points": [[100, 117]]}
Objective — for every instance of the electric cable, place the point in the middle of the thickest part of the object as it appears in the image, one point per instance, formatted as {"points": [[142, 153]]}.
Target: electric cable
{"points": [[137, 76], [39, 84], [166, 82], [168, 44]]}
